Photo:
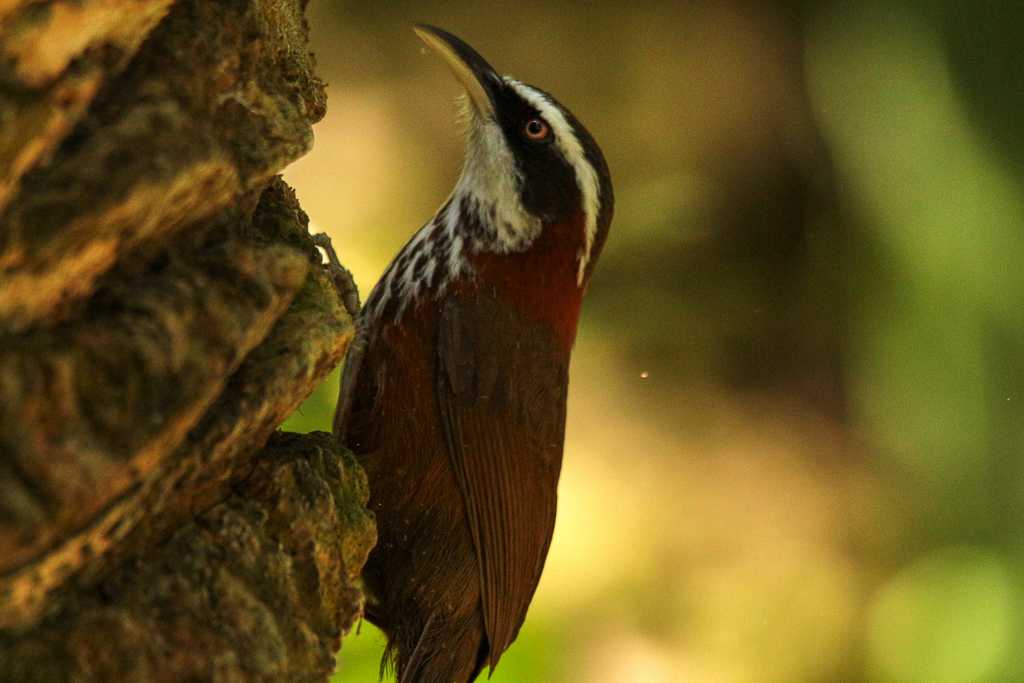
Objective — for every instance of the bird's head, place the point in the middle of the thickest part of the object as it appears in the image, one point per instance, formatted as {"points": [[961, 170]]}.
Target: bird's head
{"points": [[530, 164]]}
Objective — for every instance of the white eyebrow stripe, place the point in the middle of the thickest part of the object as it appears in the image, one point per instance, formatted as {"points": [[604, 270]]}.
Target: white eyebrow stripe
{"points": [[569, 144]]}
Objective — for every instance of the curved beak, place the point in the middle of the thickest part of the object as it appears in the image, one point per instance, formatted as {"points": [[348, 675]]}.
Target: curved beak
{"points": [[476, 75]]}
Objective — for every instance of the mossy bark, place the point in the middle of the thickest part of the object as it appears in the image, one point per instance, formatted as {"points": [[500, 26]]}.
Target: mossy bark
{"points": [[162, 310], [259, 587]]}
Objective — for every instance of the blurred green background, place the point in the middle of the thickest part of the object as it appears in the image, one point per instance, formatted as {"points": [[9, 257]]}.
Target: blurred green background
{"points": [[795, 434]]}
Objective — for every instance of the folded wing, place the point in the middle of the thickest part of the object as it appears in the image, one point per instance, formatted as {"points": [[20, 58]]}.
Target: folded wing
{"points": [[504, 425]]}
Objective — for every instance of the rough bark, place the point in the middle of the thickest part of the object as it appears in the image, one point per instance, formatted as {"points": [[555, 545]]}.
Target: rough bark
{"points": [[257, 588], [162, 310]]}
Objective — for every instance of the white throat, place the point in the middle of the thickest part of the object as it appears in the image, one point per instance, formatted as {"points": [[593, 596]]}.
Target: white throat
{"points": [[484, 211], [489, 188]]}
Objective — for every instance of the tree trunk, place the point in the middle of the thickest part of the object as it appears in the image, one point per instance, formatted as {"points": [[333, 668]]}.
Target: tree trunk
{"points": [[162, 310]]}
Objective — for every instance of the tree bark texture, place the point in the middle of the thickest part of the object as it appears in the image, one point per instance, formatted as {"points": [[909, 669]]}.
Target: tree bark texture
{"points": [[162, 310]]}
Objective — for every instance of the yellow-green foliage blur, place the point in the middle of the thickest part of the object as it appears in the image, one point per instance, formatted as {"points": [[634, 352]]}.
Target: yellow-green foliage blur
{"points": [[795, 447]]}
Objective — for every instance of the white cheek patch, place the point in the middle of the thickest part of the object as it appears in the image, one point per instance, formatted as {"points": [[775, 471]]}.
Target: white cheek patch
{"points": [[490, 184], [586, 177]]}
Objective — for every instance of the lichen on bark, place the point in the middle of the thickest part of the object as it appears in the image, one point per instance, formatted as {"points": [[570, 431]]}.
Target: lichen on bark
{"points": [[162, 311]]}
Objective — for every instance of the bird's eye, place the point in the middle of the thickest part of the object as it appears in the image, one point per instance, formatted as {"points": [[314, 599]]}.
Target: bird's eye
{"points": [[537, 130]]}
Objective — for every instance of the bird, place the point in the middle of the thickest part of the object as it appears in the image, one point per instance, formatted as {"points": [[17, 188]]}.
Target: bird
{"points": [[453, 393]]}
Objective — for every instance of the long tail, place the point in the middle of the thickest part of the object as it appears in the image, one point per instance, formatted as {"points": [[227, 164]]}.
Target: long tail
{"points": [[445, 650], [418, 652]]}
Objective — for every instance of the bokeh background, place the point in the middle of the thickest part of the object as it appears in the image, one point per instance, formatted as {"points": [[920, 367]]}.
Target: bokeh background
{"points": [[795, 433]]}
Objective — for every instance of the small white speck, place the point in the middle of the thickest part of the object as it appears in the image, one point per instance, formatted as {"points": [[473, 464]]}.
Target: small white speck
{"points": [[644, 374]]}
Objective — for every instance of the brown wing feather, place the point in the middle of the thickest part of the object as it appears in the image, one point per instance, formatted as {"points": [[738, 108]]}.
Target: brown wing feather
{"points": [[504, 424]]}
